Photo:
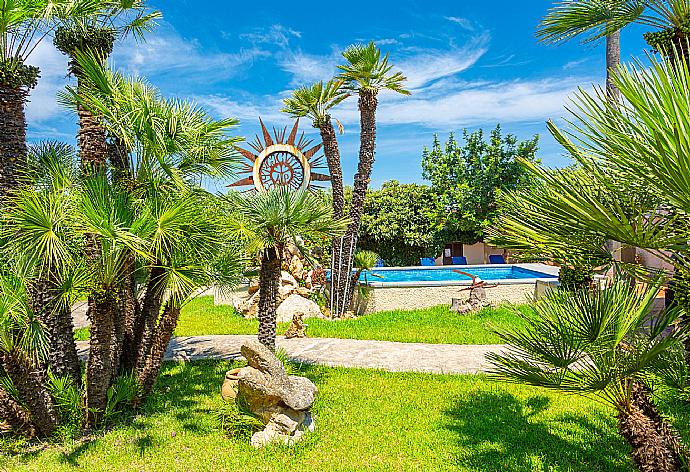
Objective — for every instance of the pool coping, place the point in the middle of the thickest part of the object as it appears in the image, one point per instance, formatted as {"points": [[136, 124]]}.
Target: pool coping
{"points": [[550, 271]]}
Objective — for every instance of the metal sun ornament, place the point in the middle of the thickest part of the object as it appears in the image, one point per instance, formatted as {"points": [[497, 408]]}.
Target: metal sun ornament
{"points": [[277, 162]]}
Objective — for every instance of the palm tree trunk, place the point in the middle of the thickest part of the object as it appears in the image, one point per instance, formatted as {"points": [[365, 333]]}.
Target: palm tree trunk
{"points": [[145, 325], [31, 384], [99, 367], [613, 60], [15, 416], [164, 331], [269, 279], [12, 137], [368, 102], [332, 153], [62, 353], [650, 451]]}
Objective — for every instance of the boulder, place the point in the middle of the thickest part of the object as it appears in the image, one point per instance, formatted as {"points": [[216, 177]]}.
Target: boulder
{"points": [[253, 286], [296, 328], [297, 267], [296, 304], [279, 400], [287, 284]]}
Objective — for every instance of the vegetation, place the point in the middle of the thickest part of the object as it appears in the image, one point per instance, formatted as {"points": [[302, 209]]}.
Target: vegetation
{"points": [[602, 344], [267, 222], [367, 420], [470, 177], [436, 325], [365, 73]]}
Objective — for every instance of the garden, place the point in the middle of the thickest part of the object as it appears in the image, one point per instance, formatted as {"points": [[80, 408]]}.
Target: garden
{"points": [[150, 323]]}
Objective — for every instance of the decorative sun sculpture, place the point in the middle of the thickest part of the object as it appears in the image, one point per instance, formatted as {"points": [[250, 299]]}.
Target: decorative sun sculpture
{"points": [[281, 163]]}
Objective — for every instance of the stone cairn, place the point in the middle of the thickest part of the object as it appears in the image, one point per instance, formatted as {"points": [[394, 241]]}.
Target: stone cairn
{"points": [[282, 402], [477, 299], [297, 285]]}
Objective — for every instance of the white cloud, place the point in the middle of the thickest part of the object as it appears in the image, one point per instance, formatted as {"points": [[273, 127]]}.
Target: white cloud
{"points": [[167, 51], [307, 68], [573, 64], [277, 34], [42, 104], [463, 22], [428, 65]]}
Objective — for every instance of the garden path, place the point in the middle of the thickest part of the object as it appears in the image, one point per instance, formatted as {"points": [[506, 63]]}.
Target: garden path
{"points": [[390, 356]]}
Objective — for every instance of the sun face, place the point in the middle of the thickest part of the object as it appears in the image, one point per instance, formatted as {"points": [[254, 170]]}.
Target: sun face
{"points": [[277, 162]]}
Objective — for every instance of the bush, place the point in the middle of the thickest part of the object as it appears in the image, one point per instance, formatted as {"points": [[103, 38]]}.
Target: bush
{"points": [[575, 278]]}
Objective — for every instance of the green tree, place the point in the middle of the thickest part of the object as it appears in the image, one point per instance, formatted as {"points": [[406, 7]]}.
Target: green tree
{"points": [[470, 177], [366, 73], [601, 344], [267, 221], [402, 223]]}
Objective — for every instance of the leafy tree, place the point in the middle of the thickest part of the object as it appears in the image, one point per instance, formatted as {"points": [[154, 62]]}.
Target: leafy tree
{"points": [[402, 223], [601, 344], [267, 221], [470, 177]]}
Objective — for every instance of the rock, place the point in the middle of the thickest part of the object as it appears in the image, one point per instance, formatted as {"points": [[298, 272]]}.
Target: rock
{"points": [[296, 304], [279, 400], [297, 267], [249, 307], [302, 292], [307, 281], [287, 284], [296, 328]]}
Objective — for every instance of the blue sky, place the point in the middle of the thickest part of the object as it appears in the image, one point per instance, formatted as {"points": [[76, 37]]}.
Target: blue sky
{"points": [[470, 64]]}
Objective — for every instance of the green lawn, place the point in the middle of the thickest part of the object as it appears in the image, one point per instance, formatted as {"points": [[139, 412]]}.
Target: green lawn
{"points": [[366, 420], [432, 325]]}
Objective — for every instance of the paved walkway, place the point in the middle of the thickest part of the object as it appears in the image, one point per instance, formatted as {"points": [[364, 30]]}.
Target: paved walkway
{"points": [[390, 356]]}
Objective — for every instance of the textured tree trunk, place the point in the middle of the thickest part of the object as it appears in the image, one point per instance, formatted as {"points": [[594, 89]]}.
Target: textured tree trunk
{"points": [[650, 452], [12, 413], [12, 137], [613, 60], [57, 319], [31, 384], [332, 153], [99, 368], [269, 279], [154, 359], [145, 325], [368, 103]]}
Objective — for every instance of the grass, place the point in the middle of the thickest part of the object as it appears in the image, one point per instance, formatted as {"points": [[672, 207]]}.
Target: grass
{"points": [[436, 325], [366, 420]]}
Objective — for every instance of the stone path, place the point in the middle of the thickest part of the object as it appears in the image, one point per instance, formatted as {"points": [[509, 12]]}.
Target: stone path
{"points": [[390, 356]]}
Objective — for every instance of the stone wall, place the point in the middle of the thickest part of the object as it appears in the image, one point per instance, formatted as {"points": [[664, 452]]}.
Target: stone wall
{"points": [[411, 298]]}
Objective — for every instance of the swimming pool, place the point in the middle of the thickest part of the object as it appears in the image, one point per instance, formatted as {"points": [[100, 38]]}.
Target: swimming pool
{"points": [[447, 276]]}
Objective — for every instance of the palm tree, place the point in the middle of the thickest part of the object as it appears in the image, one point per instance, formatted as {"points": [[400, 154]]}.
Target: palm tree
{"points": [[37, 231], [96, 34], [366, 73], [315, 102], [600, 344], [592, 20], [23, 25], [23, 346], [267, 221], [672, 20], [175, 145]]}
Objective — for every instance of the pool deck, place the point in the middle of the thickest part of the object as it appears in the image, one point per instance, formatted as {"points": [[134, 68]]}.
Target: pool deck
{"points": [[549, 271]]}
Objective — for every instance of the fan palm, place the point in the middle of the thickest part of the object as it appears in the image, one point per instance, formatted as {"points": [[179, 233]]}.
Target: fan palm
{"points": [[37, 231], [267, 221], [23, 25], [366, 73], [96, 33], [602, 344], [592, 20]]}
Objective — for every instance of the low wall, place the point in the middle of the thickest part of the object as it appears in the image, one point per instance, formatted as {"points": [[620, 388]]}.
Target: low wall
{"points": [[411, 298]]}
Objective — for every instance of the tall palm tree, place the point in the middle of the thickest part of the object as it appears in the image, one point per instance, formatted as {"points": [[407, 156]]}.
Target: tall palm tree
{"points": [[600, 344], [23, 25], [366, 73], [96, 34], [592, 20], [315, 102], [267, 221]]}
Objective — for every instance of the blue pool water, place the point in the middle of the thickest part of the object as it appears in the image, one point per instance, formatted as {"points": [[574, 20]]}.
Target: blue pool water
{"points": [[447, 275]]}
